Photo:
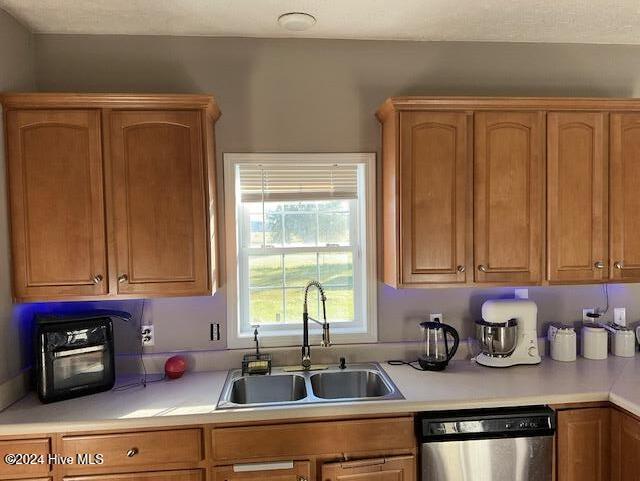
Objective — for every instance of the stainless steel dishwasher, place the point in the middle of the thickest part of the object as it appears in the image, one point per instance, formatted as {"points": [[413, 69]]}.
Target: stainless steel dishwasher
{"points": [[505, 444]]}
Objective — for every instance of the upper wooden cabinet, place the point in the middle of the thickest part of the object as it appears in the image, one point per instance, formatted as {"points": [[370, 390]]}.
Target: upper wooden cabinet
{"points": [[625, 198], [145, 229], [510, 191], [508, 200], [434, 198], [56, 201], [159, 202], [577, 197]]}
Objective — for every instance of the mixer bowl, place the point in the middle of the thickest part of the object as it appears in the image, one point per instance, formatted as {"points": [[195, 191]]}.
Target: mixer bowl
{"points": [[497, 339]]}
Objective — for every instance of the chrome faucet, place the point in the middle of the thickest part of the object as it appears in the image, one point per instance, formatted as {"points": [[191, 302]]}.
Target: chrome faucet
{"points": [[326, 339]]}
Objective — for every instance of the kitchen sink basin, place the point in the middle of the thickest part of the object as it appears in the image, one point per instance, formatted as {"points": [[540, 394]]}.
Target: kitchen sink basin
{"points": [[357, 382], [268, 389], [349, 384]]}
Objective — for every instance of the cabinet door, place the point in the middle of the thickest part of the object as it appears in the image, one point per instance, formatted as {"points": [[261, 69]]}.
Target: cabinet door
{"points": [[436, 200], [509, 204], [157, 177], [625, 201], [273, 471], [577, 197], [399, 468], [625, 447], [57, 208], [583, 444]]}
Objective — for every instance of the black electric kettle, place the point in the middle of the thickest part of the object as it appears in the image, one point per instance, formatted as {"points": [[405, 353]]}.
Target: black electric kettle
{"points": [[439, 345]]}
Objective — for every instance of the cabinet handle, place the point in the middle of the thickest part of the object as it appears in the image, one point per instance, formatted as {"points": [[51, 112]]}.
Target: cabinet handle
{"points": [[599, 265], [461, 268], [483, 268], [132, 452], [122, 278], [302, 478], [619, 265], [266, 466], [97, 279]]}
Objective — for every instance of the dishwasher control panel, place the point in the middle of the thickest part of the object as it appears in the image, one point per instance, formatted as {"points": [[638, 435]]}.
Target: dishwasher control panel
{"points": [[485, 423]]}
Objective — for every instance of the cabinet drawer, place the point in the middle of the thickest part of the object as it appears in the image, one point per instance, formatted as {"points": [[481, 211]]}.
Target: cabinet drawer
{"points": [[193, 475], [136, 449], [398, 468], [313, 439], [36, 447]]}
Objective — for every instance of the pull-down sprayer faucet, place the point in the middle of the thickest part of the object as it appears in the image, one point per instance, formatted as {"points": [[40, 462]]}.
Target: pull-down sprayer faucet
{"points": [[326, 339]]}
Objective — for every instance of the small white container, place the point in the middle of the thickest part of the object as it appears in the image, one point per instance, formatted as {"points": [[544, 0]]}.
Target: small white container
{"points": [[562, 341], [594, 342], [623, 343]]}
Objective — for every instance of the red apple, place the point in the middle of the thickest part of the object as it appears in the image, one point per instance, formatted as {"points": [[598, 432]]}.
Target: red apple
{"points": [[175, 367]]}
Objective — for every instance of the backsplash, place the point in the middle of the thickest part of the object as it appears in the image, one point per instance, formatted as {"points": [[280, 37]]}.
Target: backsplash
{"points": [[182, 324]]}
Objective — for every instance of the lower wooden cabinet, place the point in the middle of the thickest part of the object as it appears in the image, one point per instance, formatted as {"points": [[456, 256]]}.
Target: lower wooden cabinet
{"points": [[380, 449], [583, 449], [186, 475], [273, 471], [350, 437], [625, 447], [136, 450], [398, 468], [33, 447]]}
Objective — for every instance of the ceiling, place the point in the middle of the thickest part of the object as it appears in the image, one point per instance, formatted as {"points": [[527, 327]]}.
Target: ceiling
{"points": [[573, 21]]}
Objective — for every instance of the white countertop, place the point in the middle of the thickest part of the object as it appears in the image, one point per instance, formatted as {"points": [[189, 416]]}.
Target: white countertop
{"points": [[192, 399]]}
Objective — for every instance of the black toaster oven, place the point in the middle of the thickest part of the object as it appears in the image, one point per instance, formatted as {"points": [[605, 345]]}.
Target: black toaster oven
{"points": [[75, 354]]}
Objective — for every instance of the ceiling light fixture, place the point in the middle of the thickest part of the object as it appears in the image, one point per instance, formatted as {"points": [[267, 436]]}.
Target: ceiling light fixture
{"points": [[296, 21]]}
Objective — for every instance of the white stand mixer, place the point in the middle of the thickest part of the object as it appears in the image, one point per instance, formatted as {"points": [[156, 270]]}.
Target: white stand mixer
{"points": [[496, 315]]}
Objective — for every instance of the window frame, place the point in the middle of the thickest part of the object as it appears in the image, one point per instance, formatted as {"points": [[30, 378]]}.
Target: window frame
{"points": [[366, 330]]}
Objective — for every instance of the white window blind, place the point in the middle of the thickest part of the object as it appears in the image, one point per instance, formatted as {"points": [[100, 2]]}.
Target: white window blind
{"points": [[295, 182]]}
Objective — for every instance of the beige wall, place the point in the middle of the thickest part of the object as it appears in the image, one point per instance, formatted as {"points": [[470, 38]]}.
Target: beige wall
{"points": [[317, 95], [16, 73]]}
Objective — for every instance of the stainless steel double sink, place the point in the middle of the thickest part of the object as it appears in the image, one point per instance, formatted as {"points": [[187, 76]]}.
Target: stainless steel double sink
{"points": [[358, 382]]}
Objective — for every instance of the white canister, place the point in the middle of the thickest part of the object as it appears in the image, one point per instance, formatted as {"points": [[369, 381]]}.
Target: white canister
{"points": [[594, 342], [562, 341], [623, 343]]}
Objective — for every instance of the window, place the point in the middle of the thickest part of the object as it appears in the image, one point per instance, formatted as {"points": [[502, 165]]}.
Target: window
{"points": [[292, 218]]}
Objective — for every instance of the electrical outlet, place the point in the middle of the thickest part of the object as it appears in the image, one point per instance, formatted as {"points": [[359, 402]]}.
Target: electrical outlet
{"points": [[214, 331], [620, 316], [436, 317], [521, 293], [586, 318], [148, 336]]}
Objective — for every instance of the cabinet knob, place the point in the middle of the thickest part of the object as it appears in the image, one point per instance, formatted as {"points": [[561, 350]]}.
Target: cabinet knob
{"points": [[97, 279], [132, 452], [618, 265], [302, 478], [599, 265], [461, 268], [483, 268], [122, 278]]}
